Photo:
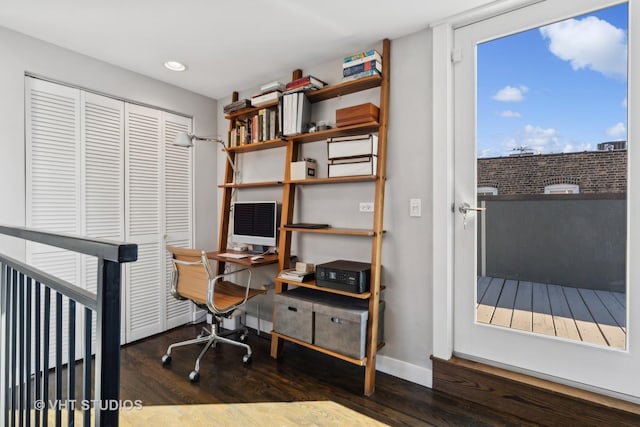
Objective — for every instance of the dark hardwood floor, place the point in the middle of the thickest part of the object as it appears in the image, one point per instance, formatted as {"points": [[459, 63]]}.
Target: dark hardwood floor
{"points": [[301, 375]]}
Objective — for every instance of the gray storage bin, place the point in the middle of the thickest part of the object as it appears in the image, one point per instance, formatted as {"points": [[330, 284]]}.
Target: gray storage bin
{"points": [[294, 315], [342, 327]]}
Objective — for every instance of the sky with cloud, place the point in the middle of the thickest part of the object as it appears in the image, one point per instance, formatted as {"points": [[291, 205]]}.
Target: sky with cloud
{"points": [[558, 88]]}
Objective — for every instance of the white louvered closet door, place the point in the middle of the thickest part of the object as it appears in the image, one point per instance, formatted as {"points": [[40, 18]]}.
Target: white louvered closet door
{"points": [[105, 168], [144, 305], [53, 172], [53, 183], [102, 154], [178, 208]]}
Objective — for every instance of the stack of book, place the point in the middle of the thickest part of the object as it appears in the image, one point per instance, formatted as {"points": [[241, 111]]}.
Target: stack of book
{"points": [[268, 93], [304, 84], [237, 105], [353, 155], [363, 64], [296, 113], [295, 275]]}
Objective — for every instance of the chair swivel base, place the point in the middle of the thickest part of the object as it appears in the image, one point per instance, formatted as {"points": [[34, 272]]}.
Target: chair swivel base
{"points": [[210, 338]]}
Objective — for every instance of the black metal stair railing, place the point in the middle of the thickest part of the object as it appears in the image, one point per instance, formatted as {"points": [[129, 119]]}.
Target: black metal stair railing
{"points": [[32, 309]]}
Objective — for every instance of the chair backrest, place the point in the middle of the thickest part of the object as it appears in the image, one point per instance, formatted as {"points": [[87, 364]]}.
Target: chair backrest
{"points": [[192, 280]]}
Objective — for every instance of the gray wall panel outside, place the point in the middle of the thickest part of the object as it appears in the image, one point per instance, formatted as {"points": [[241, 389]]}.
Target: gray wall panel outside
{"points": [[579, 243]]}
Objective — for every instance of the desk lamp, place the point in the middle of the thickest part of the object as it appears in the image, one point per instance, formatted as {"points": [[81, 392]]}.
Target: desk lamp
{"points": [[184, 139]]}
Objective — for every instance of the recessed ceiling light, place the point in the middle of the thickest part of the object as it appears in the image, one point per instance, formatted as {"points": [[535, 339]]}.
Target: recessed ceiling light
{"points": [[175, 66]]}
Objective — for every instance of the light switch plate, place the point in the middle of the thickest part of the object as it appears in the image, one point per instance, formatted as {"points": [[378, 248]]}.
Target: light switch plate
{"points": [[415, 207]]}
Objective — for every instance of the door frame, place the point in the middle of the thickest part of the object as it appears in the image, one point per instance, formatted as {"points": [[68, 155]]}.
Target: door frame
{"points": [[443, 273], [443, 166]]}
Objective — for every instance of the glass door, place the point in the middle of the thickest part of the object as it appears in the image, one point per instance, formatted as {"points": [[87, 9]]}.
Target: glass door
{"points": [[544, 204]]}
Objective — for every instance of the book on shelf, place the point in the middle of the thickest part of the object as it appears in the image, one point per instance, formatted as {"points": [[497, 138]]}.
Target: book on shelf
{"points": [[238, 133], [366, 55], [352, 146], [296, 276], [260, 99], [359, 68], [360, 75], [296, 113], [237, 105], [355, 166], [274, 85], [261, 126], [308, 82]]}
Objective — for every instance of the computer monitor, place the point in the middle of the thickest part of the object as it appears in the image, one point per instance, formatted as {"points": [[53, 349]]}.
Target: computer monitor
{"points": [[255, 223]]}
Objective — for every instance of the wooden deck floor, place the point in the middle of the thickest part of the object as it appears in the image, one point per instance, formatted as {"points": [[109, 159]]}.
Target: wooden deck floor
{"points": [[597, 317]]}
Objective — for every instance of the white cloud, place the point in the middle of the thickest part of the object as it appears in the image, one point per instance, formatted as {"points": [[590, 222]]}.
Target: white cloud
{"points": [[540, 139], [617, 131], [508, 114], [590, 43], [534, 139], [571, 148], [511, 94]]}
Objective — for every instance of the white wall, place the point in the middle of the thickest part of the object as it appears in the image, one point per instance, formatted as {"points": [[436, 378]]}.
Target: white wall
{"points": [[407, 249], [22, 54]]}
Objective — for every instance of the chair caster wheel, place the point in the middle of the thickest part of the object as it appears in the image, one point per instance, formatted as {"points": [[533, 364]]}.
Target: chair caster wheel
{"points": [[166, 360], [194, 376], [246, 359], [243, 338]]}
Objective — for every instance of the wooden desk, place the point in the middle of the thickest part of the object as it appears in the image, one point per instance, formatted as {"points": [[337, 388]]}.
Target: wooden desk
{"points": [[268, 259]]}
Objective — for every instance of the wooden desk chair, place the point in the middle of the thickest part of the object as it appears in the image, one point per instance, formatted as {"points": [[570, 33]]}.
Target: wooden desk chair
{"points": [[193, 279]]}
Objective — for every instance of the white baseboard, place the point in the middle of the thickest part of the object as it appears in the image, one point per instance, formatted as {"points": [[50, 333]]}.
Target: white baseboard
{"points": [[398, 368], [407, 371]]}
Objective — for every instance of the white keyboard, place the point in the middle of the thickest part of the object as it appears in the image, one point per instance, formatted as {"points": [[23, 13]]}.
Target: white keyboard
{"points": [[234, 256]]}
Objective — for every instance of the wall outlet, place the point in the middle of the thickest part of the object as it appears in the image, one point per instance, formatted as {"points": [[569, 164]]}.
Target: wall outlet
{"points": [[366, 206]]}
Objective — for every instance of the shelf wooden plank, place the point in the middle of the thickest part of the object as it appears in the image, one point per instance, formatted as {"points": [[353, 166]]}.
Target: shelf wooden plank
{"points": [[359, 362], [311, 284], [249, 111], [345, 88], [336, 180], [358, 129], [331, 230], [257, 146], [251, 184], [323, 94], [268, 259]]}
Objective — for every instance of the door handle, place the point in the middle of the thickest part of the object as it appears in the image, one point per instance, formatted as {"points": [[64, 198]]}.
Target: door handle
{"points": [[466, 207]]}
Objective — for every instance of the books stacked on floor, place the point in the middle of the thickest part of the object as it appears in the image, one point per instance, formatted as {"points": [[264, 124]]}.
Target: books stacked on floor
{"points": [[363, 64], [295, 275], [296, 113], [237, 105], [304, 84], [352, 155], [269, 93]]}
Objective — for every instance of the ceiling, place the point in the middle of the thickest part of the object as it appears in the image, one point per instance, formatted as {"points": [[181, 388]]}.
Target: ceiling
{"points": [[226, 45]]}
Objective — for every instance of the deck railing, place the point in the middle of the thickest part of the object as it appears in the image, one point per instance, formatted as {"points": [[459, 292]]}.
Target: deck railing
{"points": [[31, 309], [576, 240]]}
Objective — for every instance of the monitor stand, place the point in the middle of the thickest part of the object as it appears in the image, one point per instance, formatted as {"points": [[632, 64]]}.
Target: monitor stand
{"points": [[259, 249]]}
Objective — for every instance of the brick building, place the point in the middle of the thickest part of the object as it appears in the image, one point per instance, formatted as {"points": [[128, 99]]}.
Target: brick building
{"points": [[603, 171]]}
